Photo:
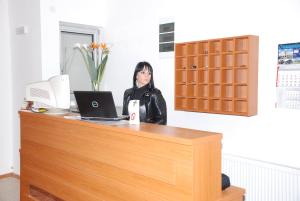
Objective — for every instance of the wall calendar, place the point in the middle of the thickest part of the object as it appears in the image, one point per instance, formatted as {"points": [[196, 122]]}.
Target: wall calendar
{"points": [[288, 76]]}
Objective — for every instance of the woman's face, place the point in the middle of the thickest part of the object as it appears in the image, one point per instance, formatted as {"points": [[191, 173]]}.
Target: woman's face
{"points": [[143, 77]]}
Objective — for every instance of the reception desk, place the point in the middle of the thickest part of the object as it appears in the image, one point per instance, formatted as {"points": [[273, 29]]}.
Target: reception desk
{"points": [[74, 160]]}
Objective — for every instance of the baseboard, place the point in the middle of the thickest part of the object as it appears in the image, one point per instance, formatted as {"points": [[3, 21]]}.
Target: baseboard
{"points": [[10, 175]]}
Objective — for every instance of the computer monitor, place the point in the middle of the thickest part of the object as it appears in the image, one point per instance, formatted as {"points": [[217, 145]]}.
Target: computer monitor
{"points": [[53, 93]]}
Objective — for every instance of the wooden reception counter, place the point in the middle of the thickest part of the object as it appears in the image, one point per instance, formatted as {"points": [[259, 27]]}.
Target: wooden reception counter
{"points": [[74, 160]]}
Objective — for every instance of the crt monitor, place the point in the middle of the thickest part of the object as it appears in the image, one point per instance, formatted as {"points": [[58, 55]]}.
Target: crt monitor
{"points": [[52, 93]]}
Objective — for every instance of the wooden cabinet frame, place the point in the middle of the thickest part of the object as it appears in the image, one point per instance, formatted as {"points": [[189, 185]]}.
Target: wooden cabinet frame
{"points": [[217, 75]]}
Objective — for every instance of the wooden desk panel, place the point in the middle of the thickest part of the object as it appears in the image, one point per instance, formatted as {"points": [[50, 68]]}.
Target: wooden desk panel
{"points": [[81, 161]]}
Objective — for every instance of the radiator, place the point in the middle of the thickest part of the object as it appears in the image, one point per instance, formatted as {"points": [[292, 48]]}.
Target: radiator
{"points": [[263, 181]]}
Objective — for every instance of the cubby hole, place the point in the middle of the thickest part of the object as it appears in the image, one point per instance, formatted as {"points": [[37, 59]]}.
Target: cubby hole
{"points": [[181, 49], [240, 106], [215, 76], [192, 62], [215, 46], [215, 105], [227, 91], [181, 103], [215, 91], [181, 62], [215, 61], [180, 90], [192, 104], [227, 60], [228, 45], [227, 105], [241, 60], [240, 75], [227, 76], [203, 76], [192, 48], [203, 105], [192, 76], [203, 61], [241, 44], [203, 47], [180, 76], [203, 90], [241, 91], [191, 90]]}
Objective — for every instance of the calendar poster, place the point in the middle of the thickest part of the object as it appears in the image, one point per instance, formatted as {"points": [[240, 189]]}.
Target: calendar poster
{"points": [[288, 76]]}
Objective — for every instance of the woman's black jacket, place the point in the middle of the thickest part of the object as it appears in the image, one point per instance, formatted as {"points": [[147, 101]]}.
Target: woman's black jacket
{"points": [[153, 107]]}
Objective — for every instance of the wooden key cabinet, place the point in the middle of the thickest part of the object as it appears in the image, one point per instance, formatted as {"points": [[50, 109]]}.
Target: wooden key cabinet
{"points": [[217, 75]]}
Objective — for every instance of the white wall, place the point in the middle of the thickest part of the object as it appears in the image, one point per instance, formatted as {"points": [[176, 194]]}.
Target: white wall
{"points": [[6, 139], [272, 135], [132, 28], [25, 59]]}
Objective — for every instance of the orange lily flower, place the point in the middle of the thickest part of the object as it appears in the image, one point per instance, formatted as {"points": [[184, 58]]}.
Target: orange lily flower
{"points": [[94, 45], [103, 46]]}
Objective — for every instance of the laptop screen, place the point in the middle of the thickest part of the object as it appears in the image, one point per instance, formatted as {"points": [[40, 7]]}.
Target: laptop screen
{"points": [[95, 104]]}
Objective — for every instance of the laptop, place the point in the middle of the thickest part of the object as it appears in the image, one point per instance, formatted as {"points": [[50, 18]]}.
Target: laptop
{"points": [[97, 105]]}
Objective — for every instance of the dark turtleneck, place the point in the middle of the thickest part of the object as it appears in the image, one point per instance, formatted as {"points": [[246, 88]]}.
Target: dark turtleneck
{"points": [[139, 92]]}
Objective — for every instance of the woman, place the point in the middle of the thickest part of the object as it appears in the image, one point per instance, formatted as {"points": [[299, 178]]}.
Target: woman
{"points": [[153, 107]]}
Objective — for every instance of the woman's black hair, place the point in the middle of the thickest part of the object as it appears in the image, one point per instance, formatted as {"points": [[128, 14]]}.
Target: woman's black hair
{"points": [[140, 67]]}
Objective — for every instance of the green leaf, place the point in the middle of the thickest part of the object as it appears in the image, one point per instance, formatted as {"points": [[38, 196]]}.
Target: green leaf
{"points": [[101, 68], [83, 53], [91, 67], [89, 63], [95, 71]]}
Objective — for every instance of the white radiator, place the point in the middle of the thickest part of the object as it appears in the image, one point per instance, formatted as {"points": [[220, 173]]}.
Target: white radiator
{"points": [[263, 181]]}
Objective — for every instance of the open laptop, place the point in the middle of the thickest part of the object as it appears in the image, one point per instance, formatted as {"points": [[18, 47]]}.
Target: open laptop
{"points": [[97, 105]]}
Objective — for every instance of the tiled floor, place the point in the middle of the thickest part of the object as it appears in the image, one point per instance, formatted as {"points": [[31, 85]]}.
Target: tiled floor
{"points": [[9, 189]]}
